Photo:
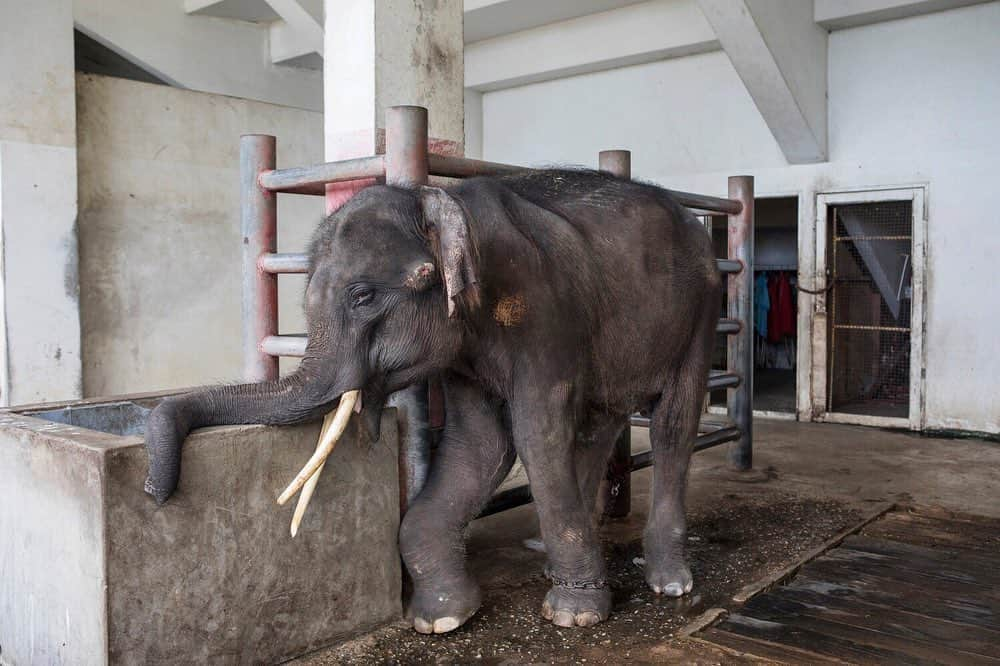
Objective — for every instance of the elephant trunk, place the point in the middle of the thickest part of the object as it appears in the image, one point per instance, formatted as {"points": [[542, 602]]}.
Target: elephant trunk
{"points": [[298, 397]]}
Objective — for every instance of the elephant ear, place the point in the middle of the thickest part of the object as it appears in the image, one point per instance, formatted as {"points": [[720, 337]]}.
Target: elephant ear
{"points": [[452, 243]]}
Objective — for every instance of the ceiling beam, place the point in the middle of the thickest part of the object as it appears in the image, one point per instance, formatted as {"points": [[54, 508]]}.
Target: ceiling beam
{"points": [[631, 35], [840, 14], [781, 55]]}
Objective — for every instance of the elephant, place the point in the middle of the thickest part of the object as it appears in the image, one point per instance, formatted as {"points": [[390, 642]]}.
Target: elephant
{"points": [[552, 304]]}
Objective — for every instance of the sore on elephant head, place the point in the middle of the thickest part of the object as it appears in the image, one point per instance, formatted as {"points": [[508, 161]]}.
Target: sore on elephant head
{"points": [[392, 275]]}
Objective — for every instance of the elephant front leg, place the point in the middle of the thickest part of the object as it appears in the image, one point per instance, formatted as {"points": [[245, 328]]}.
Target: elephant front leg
{"points": [[543, 428], [474, 457]]}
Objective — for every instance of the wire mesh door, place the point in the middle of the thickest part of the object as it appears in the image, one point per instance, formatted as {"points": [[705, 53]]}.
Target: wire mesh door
{"points": [[869, 336]]}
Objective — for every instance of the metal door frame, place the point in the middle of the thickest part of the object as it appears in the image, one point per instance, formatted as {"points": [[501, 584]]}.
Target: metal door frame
{"points": [[916, 195]]}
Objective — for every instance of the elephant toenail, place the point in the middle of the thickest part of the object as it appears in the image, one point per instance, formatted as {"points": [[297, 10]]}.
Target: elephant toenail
{"points": [[673, 589], [657, 589], [446, 624], [423, 626], [587, 619], [563, 619], [547, 610]]}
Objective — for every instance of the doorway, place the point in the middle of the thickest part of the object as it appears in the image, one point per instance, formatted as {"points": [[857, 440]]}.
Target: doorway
{"points": [[775, 269]]}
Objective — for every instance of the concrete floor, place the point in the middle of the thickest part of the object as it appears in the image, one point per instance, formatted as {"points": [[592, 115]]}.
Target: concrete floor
{"points": [[818, 479]]}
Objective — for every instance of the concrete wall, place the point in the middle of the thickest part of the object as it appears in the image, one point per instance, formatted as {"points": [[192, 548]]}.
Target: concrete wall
{"points": [[39, 320], [160, 231], [913, 101]]}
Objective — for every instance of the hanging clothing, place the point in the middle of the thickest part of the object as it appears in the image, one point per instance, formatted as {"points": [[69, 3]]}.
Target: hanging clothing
{"points": [[781, 316], [761, 304]]}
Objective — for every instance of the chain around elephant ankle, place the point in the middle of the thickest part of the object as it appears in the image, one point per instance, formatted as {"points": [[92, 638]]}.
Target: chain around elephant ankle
{"points": [[598, 584]]}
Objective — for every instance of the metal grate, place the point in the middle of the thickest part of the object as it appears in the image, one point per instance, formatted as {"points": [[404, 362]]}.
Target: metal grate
{"points": [[869, 306]]}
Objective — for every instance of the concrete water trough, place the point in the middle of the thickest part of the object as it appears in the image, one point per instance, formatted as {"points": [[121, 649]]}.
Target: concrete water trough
{"points": [[92, 571]]}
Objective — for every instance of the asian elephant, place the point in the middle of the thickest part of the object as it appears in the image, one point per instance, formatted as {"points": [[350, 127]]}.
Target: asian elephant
{"points": [[553, 304]]}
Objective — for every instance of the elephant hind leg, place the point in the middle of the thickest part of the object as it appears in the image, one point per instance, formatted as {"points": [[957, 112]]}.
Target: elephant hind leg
{"points": [[673, 429], [473, 458]]}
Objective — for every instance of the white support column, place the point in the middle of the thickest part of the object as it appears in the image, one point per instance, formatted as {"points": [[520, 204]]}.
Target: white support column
{"points": [[381, 53], [780, 53], [39, 292]]}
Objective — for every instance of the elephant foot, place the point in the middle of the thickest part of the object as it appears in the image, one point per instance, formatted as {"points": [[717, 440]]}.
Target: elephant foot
{"points": [[438, 609], [668, 576], [571, 604]]}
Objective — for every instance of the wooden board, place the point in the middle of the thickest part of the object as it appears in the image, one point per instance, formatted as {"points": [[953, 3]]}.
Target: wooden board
{"points": [[912, 587]]}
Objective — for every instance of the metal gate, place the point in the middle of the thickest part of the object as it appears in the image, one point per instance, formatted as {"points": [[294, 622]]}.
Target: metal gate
{"points": [[869, 311], [871, 255]]}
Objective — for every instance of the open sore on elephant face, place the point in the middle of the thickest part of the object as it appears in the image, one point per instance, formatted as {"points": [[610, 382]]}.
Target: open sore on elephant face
{"points": [[377, 313]]}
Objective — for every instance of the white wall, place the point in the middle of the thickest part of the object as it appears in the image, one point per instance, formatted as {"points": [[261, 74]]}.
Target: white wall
{"points": [[913, 101], [160, 230]]}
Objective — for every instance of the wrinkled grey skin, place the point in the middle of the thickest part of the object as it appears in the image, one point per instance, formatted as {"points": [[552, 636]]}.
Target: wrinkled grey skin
{"points": [[575, 298]]}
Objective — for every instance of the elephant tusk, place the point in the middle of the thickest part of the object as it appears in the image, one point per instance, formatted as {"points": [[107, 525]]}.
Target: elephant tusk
{"points": [[327, 440], [310, 487]]}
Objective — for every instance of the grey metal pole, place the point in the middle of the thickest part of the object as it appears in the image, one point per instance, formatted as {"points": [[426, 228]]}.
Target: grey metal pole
{"points": [[259, 221], [740, 345], [406, 166], [618, 490]]}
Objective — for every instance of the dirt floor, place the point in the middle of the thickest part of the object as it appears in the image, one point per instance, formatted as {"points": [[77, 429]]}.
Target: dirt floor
{"points": [[818, 480]]}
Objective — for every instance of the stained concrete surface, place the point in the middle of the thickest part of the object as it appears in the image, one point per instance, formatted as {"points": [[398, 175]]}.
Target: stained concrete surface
{"points": [[820, 478], [92, 571]]}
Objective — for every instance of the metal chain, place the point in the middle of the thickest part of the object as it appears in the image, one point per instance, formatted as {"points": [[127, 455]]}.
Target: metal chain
{"points": [[598, 584]]}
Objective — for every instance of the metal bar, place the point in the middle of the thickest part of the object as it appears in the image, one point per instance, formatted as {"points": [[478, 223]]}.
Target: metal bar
{"points": [[871, 238], [618, 489], [721, 380], [285, 262], [707, 205], [521, 495], [740, 345], [729, 326], [860, 327], [406, 165], [284, 345], [465, 167], [704, 213], [702, 442], [259, 222], [729, 266], [313, 179]]}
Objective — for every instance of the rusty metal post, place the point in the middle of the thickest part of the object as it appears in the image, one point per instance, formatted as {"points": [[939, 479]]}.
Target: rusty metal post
{"points": [[259, 221], [406, 146], [406, 166], [740, 345], [618, 489]]}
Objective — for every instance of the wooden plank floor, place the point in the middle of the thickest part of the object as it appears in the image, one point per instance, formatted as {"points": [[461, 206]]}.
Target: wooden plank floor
{"points": [[915, 587]]}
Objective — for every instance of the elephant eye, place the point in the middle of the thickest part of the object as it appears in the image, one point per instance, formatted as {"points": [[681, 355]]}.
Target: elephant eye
{"points": [[362, 297]]}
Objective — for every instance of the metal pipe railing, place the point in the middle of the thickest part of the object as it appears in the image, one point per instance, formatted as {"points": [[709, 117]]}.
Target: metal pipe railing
{"points": [[407, 163], [284, 345], [313, 179], [284, 262], [740, 307], [259, 222], [465, 167], [706, 205]]}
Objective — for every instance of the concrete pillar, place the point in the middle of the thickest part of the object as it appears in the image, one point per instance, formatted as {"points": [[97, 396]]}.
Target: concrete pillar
{"points": [[382, 53], [39, 292]]}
